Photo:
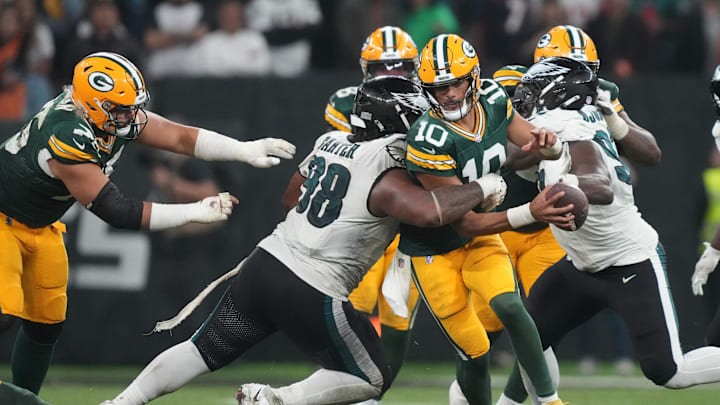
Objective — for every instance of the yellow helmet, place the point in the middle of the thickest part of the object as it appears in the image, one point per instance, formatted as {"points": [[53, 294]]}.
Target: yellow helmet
{"points": [[445, 60], [389, 51], [110, 91], [570, 42]]}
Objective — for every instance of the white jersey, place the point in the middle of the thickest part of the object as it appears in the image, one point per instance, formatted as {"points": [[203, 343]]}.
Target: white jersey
{"points": [[613, 234], [331, 239]]}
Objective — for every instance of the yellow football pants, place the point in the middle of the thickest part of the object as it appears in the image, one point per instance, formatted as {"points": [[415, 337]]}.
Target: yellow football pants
{"points": [[531, 254], [481, 268], [369, 292], [33, 271]]}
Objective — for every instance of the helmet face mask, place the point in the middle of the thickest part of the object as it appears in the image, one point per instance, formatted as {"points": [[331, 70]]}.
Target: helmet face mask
{"points": [[556, 83], [570, 42], [446, 61], [389, 51], [110, 92], [385, 105]]}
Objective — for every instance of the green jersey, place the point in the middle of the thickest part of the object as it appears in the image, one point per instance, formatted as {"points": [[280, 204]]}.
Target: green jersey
{"points": [[442, 148], [339, 107], [29, 192]]}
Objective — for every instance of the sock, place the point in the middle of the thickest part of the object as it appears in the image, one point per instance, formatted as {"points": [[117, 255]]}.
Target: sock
{"points": [[494, 336], [30, 361], [326, 387], [169, 371], [525, 340], [456, 395], [515, 389], [473, 377], [394, 345], [699, 366], [554, 371], [14, 395], [503, 400]]}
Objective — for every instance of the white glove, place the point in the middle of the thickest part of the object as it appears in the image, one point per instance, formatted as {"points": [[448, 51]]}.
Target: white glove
{"points": [[494, 188], [704, 266], [211, 209], [716, 133], [266, 152], [617, 126]]}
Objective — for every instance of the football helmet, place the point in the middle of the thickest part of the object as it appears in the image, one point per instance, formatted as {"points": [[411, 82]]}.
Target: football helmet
{"points": [[715, 89], [448, 59], [570, 42], [509, 76], [555, 82], [110, 91], [389, 51], [385, 105]]}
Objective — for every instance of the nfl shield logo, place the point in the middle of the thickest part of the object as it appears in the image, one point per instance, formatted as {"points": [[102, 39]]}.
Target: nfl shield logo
{"points": [[428, 259], [401, 262]]}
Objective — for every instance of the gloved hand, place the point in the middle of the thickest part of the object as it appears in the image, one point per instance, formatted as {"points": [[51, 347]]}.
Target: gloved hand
{"points": [[211, 209], [266, 152], [617, 126], [494, 188], [704, 266]]}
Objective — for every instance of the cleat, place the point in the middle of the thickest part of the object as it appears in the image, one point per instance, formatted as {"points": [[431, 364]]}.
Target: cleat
{"points": [[257, 394]]}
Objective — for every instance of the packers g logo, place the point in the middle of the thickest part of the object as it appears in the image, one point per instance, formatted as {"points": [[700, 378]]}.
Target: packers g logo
{"points": [[468, 50], [544, 41], [101, 81]]}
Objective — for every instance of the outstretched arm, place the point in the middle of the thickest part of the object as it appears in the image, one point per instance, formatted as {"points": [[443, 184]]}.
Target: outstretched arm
{"points": [[91, 188], [397, 196], [165, 134]]}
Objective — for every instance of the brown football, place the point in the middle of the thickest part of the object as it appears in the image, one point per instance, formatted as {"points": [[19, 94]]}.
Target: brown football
{"points": [[573, 195]]}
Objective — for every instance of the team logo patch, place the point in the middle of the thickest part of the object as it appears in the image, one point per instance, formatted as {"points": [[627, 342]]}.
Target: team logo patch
{"points": [[396, 153], [401, 262], [468, 50], [101, 81], [544, 41], [428, 259]]}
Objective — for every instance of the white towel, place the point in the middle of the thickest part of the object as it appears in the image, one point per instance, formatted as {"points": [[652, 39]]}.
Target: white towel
{"points": [[396, 285]]}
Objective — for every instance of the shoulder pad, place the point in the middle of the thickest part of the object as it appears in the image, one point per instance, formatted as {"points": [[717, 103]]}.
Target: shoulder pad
{"points": [[70, 142]]}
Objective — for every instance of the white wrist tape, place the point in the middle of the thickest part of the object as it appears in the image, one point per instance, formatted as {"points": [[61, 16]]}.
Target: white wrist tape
{"points": [[711, 252], [166, 216], [520, 216], [617, 126], [211, 145], [554, 151]]}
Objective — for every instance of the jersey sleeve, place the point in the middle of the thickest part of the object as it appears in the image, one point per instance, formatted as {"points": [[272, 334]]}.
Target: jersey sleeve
{"points": [[428, 149], [392, 156], [70, 143], [614, 93], [339, 108]]}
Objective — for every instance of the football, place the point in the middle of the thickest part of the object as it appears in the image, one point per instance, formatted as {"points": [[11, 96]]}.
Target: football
{"points": [[573, 195]]}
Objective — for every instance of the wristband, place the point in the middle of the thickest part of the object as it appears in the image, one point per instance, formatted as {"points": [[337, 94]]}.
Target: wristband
{"points": [[166, 216], [617, 126], [520, 216], [711, 252], [554, 151]]}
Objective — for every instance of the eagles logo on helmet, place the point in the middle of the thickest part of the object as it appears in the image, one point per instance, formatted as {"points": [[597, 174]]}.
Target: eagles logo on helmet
{"points": [[570, 42], [389, 51], [110, 92], [448, 59], [555, 82], [385, 105]]}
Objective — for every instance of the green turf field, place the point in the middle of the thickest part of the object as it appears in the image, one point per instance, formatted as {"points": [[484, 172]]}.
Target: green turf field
{"points": [[417, 384]]}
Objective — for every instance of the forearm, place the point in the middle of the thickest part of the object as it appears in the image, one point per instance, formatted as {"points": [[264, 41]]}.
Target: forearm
{"points": [[640, 146], [452, 202], [476, 224]]}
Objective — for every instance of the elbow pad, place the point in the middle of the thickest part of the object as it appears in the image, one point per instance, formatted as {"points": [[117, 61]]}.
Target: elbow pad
{"points": [[113, 207]]}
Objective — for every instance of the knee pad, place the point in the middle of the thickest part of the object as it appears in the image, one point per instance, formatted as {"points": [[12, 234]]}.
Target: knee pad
{"points": [[227, 334], [42, 333], [6, 322]]}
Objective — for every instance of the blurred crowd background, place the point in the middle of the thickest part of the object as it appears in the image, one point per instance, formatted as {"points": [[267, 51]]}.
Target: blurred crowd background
{"points": [[41, 40]]}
